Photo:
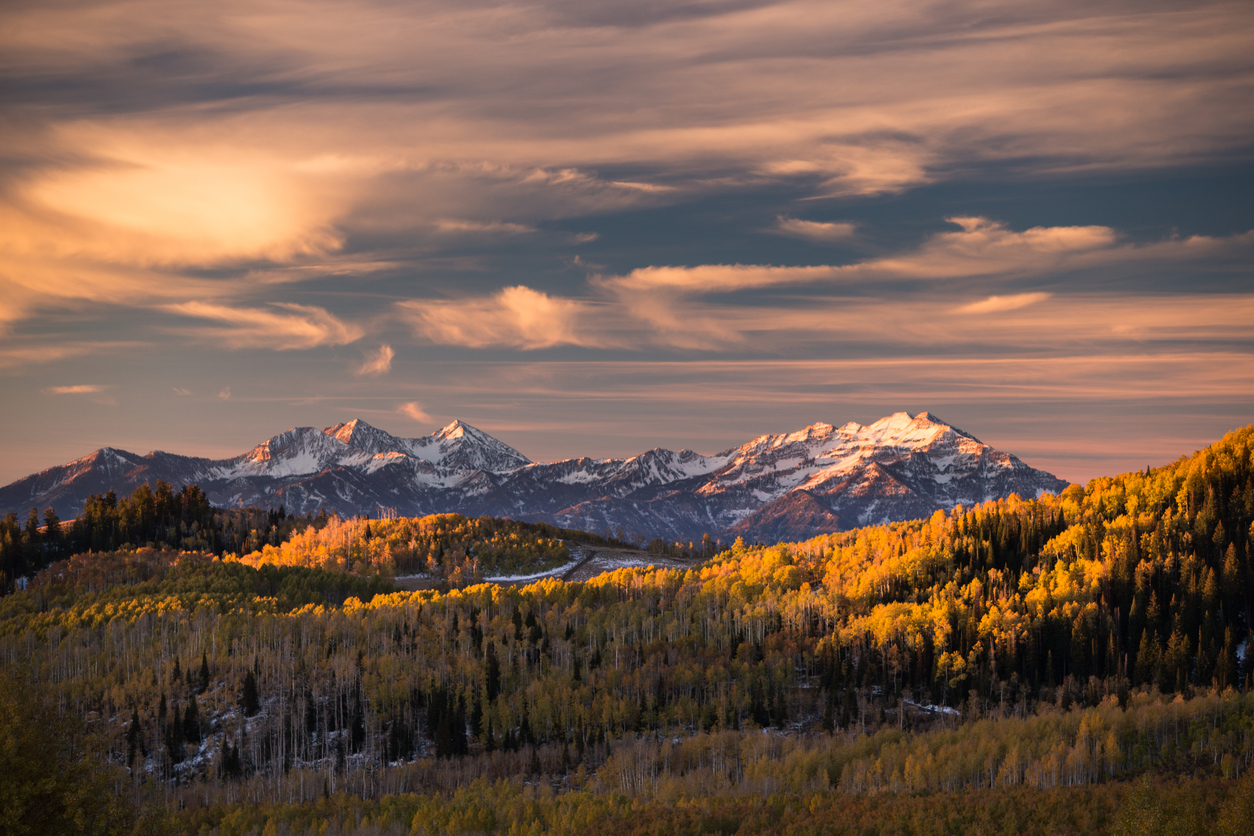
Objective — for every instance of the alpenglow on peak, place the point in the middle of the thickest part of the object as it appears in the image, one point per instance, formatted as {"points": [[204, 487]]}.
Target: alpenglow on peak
{"points": [[819, 479]]}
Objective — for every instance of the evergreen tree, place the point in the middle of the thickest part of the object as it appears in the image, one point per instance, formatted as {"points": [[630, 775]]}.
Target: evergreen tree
{"points": [[249, 700], [191, 721], [134, 738]]}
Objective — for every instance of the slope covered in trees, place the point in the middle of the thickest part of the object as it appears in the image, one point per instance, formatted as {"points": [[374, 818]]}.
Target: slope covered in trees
{"points": [[157, 518], [460, 550], [1019, 646], [449, 547]]}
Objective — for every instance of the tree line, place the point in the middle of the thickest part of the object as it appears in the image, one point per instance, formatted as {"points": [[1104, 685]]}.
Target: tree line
{"points": [[160, 517]]}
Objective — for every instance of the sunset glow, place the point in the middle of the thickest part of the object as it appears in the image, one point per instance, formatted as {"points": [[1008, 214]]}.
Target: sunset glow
{"points": [[592, 229]]}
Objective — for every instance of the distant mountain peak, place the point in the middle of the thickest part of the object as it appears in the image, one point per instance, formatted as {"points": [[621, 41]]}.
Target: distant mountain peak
{"points": [[469, 448], [362, 436], [819, 478], [458, 428]]}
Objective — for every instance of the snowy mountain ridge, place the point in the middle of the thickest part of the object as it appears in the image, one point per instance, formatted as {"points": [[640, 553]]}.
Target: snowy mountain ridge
{"points": [[818, 479]]}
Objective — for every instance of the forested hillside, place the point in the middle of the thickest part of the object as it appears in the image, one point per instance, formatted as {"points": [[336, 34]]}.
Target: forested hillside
{"points": [[459, 550], [1017, 647], [182, 520]]}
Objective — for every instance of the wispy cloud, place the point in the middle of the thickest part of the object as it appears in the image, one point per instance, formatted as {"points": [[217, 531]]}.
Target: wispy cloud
{"points": [[378, 362], [80, 389], [998, 304], [21, 356], [95, 391], [499, 227], [414, 410], [225, 393], [292, 326], [515, 316], [814, 230], [179, 390], [678, 306]]}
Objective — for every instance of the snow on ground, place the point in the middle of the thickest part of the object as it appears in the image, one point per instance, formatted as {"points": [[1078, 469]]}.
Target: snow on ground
{"points": [[935, 709], [535, 576]]}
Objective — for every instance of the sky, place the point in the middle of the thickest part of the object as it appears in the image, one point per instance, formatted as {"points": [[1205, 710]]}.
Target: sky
{"points": [[596, 228]]}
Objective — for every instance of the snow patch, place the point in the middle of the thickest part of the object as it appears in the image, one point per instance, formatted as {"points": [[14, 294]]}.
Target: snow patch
{"points": [[558, 571]]}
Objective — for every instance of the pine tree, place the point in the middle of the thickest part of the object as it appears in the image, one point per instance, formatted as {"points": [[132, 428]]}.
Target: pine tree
{"points": [[134, 738], [191, 721], [53, 538], [494, 671], [174, 735], [249, 700]]}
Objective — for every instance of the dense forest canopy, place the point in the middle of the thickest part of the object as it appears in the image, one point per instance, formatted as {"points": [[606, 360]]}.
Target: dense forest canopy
{"points": [[460, 550], [182, 520], [456, 549], [1018, 646]]}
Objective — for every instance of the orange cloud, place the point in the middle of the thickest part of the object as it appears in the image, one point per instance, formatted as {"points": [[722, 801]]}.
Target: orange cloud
{"points": [[81, 389], [814, 230], [414, 410], [1000, 304], [672, 306], [302, 327], [378, 362], [515, 316], [500, 227]]}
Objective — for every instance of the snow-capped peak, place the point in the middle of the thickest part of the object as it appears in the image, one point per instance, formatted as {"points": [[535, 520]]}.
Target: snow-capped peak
{"points": [[898, 467], [457, 429], [463, 447], [359, 435]]}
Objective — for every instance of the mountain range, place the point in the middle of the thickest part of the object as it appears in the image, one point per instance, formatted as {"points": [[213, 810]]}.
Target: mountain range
{"points": [[820, 479]]}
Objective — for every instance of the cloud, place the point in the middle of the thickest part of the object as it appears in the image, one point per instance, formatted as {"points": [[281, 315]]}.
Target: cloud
{"points": [[301, 327], [414, 410], [652, 188], [19, 357], [680, 306], [146, 204], [84, 389], [669, 300], [515, 316], [81, 389], [501, 227], [178, 390], [265, 140], [225, 394], [378, 362], [998, 304], [982, 247], [267, 134], [814, 230]]}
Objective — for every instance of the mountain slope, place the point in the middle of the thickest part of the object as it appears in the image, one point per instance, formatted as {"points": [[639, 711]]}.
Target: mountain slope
{"points": [[819, 479]]}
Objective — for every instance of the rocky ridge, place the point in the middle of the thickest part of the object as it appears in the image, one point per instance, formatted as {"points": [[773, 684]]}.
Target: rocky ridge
{"points": [[775, 487]]}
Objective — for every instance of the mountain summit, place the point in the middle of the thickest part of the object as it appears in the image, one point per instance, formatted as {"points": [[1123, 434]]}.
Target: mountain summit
{"points": [[816, 480]]}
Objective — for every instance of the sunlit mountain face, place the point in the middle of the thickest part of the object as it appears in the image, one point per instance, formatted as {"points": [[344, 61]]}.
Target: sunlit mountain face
{"points": [[818, 480]]}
